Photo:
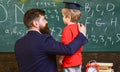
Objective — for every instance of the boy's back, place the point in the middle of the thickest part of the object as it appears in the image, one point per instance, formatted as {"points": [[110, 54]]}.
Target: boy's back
{"points": [[69, 33]]}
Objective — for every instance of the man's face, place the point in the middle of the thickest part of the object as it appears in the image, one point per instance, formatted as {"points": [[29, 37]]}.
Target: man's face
{"points": [[43, 25]]}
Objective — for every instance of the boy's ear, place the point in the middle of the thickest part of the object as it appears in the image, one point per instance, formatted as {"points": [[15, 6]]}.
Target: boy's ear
{"points": [[69, 18]]}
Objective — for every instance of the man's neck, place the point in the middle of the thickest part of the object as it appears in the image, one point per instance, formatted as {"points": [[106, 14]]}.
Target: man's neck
{"points": [[34, 30]]}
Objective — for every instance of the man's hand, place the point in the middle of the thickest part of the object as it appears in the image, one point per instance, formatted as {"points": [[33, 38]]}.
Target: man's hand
{"points": [[82, 28]]}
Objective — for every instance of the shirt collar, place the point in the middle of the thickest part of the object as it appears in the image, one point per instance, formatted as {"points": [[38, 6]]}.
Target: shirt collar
{"points": [[34, 30]]}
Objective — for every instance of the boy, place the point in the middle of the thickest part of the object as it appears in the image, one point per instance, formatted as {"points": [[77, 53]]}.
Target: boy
{"points": [[71, 15]]}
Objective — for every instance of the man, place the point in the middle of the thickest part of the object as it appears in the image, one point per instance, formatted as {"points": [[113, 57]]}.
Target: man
{"points": [[37, 50]]}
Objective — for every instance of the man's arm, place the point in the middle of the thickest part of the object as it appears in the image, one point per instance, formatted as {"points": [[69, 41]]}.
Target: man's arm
{"points": [[54, 47]]}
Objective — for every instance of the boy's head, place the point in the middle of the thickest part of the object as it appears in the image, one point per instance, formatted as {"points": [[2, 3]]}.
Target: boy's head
{"points": [[72, 11]]}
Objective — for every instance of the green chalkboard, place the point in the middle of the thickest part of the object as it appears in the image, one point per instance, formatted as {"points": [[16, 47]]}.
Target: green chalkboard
{"points": [[101, 17]]}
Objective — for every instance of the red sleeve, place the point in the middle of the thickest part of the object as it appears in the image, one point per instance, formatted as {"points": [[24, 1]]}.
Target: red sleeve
{"points": [[66, 35]]}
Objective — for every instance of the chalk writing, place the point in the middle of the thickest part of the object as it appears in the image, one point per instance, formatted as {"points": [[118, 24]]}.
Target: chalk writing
{"points": [[21, 11], [100, 21], [118, 37], [5, 13], [15, 31], [97, 16], [8, 1], [104, 39]]}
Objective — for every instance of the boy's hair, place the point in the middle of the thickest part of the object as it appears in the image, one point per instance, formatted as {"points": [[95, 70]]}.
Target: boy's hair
{"points": [[31, 15], [75, 14]]}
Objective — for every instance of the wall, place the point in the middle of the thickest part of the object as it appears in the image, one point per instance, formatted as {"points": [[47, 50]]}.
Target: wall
{"points": [[8, 62]]}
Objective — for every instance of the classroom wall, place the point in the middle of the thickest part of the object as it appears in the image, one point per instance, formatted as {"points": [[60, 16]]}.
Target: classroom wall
{"points": [[101, 17], [8, 62]]}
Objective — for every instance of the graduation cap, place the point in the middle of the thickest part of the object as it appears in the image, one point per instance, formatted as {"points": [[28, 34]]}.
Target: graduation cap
{"points": [[71, 5]]}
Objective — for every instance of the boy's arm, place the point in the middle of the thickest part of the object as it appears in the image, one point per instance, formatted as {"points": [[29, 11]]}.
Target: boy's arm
{"points": [[66, 38], [60, 59]]}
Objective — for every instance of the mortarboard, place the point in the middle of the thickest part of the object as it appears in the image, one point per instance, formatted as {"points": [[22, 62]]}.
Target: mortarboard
{"points": [[71, 5]]}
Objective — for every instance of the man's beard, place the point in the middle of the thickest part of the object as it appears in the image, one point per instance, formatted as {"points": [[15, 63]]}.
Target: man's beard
{"points": [[45, 30]]}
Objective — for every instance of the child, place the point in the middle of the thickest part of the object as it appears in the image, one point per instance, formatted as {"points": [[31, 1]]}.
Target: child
{"points": [[71, 15]]}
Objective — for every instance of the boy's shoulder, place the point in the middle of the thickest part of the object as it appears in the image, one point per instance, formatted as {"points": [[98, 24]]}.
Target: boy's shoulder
{"points": [[71, 26]]}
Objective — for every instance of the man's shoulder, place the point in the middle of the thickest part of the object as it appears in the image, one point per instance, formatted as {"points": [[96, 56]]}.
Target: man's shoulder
{"points": [[45, 35]]}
